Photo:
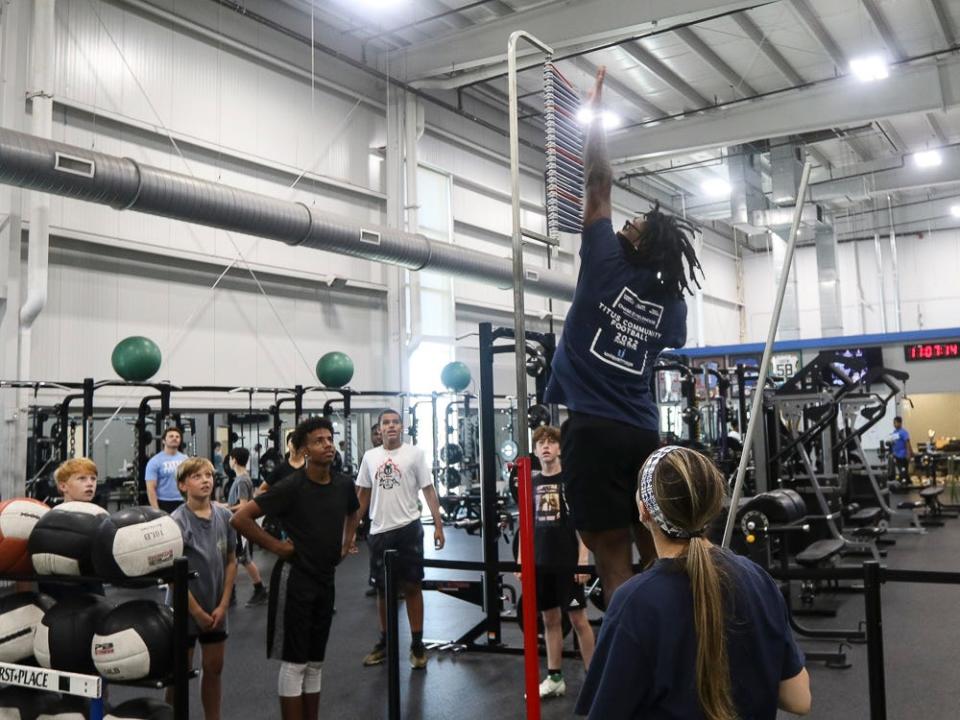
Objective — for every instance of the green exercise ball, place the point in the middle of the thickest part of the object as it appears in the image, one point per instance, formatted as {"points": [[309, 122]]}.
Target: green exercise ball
{"points": [[455, 376], [335, 369], [136, 359]]}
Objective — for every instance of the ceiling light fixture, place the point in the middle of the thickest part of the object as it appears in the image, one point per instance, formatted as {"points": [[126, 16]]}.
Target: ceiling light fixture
{"points": [[927, 159], [869, 68], [716, 187], [955, 210], [586, 115]]}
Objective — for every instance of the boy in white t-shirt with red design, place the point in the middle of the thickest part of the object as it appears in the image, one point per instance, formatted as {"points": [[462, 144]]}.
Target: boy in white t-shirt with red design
{"points": [[390, 479]]}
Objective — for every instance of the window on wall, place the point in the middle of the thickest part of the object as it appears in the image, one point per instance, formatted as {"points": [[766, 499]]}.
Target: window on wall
{"points": [[426, 363], [433, 197]]}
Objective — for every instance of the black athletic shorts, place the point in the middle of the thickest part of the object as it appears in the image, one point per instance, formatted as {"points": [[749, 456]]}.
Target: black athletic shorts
{"points": [[559, 590], [601, 461], [244, 550], [299, 614], [168, 506], [207, 638], [408, 542]]}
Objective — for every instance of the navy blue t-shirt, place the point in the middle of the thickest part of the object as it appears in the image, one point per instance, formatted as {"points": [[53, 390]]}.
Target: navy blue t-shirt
{"points": [[645, 662], [620, 321]]}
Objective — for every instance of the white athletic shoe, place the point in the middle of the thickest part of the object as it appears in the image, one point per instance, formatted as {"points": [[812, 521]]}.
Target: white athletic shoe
{"points": [[552, 688]]}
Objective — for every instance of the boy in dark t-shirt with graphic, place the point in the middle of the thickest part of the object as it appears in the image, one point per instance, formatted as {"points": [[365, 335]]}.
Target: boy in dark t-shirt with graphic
{"points": [[557, 552], [318, 510]]}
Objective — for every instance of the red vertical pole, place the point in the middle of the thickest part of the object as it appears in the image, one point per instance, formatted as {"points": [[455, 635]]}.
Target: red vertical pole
{"points": [[528, 585]]}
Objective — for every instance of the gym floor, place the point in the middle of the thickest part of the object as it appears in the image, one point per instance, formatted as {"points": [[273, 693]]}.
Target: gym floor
{"points": [[920, 651]]}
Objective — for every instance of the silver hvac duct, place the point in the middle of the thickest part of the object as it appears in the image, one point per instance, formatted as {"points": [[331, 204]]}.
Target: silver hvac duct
{"points": [[124, 184]]}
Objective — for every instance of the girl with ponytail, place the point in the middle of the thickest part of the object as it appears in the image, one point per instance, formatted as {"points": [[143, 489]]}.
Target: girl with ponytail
{"points": [[704, 633]]}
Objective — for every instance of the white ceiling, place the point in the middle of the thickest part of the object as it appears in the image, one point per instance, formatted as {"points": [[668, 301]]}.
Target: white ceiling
{"points": [[789, 56]]}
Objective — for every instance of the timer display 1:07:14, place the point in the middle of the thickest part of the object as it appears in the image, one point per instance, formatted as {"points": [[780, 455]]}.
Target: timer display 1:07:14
{"points": [[931, 351]]}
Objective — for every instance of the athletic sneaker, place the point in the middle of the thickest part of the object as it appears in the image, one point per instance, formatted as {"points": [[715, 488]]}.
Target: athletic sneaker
{"points": [[377, 655], [259, 597], [418, 657], [552, 688]]}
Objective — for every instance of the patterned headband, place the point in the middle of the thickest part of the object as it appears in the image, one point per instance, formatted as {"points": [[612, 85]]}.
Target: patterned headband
{"points": [[650, 500]]}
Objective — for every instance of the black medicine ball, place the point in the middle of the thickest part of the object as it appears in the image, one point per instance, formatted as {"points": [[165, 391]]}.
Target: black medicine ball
{"points": [[17, 703], [134, 641], [66, 707], [63, 637], [141, 709], [61, 541]]}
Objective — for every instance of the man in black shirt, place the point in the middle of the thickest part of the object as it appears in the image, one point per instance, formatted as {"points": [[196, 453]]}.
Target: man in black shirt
{"points": [[318, 511], [292, 462]]}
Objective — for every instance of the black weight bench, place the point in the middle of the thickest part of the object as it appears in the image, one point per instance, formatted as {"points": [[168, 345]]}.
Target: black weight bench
{"points": [[866, 516], [932, 508], [819, 552]]}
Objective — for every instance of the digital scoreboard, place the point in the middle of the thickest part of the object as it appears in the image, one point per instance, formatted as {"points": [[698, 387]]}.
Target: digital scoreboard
{"points": [[931, 351]]}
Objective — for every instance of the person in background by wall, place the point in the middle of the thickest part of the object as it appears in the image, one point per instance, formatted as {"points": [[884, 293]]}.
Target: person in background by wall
{"points": [[241, 492], [902, 450], [293, 460], [161, 473], [219, 472]]}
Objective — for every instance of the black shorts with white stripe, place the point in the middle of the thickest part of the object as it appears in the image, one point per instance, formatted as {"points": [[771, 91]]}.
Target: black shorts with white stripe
{"points": [[299, 614]]}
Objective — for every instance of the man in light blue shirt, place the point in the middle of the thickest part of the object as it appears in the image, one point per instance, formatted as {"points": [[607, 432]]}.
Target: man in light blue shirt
{"points": [[161, 474]]}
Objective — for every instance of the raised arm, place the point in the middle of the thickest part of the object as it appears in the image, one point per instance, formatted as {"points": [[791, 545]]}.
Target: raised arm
{"points": [[597, 169]]}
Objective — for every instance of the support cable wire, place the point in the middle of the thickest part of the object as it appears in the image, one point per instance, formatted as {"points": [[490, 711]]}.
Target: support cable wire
{"points": [[239, 252]]}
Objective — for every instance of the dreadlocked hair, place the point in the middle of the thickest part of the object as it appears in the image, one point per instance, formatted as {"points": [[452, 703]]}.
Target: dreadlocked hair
{"points": [[667, 244]]}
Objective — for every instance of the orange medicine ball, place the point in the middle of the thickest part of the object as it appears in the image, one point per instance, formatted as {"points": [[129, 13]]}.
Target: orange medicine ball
{"points": [[17, 519]]}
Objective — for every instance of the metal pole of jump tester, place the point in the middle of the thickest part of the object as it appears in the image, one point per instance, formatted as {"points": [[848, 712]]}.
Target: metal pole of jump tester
{"points": [[765, 361], [393, 639], [874, 627], [520, 335], [528, 582]]}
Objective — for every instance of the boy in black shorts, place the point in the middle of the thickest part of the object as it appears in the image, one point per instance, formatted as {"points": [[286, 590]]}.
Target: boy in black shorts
{"points": [[628, 307], [209, 545], [391, 478], [318, 510], [557, 553]]}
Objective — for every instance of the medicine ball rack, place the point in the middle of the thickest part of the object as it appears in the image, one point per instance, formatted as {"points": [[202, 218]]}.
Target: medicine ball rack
{"points": [[92, 686]]}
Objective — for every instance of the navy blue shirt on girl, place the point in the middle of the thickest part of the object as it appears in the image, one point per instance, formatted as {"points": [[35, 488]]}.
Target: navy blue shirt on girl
{"points": [[620, 321], [645, 662]]}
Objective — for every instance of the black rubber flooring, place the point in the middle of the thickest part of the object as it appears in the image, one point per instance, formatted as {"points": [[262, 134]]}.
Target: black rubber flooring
{"points": [[921, 649]]}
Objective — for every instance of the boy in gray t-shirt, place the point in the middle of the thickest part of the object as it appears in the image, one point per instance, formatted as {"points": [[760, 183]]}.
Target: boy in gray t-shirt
{"points": [[241, 492], [209, 544]]}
